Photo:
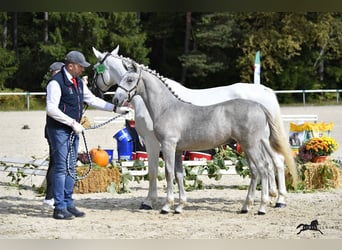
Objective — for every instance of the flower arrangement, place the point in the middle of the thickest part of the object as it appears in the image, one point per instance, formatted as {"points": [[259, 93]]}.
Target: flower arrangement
{"points": [[317, 146]]}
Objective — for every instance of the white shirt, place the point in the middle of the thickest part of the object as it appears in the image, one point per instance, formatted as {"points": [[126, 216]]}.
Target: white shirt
{"points": [[53, 97]]}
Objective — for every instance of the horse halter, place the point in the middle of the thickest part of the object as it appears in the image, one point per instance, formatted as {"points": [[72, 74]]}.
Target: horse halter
{"points": [[129, 91], [99, 70]]}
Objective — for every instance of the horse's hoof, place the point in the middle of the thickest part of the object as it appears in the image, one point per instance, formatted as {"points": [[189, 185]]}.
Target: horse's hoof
{"points": [[244, 211], [261, 213], [178, 212], [145, 207], [280, 205], [164, 212]]}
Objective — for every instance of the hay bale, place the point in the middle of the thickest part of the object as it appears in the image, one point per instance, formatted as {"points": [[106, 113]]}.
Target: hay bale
{"points": [[320, 175], [98, 180]]}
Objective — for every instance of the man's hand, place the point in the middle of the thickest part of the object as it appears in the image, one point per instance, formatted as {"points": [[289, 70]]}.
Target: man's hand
{"points": [[85, 79], [78, 128], [122, 110]]}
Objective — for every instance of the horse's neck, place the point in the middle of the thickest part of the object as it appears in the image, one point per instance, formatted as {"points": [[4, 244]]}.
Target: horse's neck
{"points": [[157, 97]]}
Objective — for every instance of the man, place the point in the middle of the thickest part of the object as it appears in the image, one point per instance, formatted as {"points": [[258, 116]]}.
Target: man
{"points": [[66, 93]]}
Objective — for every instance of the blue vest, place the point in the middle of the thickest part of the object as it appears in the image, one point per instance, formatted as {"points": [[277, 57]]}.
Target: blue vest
{"points": [[71, 102]]}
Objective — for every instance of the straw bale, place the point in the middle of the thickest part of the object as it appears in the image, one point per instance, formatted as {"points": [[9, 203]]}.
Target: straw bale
{"points": [[98, 180], [321, 175]]}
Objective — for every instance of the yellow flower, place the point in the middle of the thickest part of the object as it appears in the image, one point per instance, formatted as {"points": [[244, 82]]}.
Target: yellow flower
{"points": [[321, 146]]}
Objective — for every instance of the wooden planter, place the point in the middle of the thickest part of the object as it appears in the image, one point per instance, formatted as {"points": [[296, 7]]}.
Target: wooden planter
{"points": [[98, 180]]}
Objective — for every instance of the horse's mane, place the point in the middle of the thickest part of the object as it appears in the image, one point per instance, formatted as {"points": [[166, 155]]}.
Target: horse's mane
{"points": [[163, 80], [153, 72]]}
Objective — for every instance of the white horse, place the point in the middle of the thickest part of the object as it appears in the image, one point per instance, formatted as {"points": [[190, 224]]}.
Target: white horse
{"points": [[243, 120], [110, 71]]}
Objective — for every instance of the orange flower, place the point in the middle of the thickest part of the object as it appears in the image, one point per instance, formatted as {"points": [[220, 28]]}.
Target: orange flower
{"points": [[321, 146]]}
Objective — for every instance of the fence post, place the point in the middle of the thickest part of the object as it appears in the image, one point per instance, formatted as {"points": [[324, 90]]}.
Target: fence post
{"points": [[337, 95], [304, 97], [28, 100]]}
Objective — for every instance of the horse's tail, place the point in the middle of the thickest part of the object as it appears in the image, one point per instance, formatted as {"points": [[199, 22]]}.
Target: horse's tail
{"points": [[279, 143]]}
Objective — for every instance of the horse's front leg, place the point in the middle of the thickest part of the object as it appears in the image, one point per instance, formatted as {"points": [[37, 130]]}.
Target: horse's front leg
{"points": [[169, 158], [153, 149], [180, 181]]}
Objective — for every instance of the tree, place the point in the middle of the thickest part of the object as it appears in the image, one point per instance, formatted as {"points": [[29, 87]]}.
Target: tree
{"points": [[210, 63], [7, 57], [7, 65], [40, 38], [165, 37], [225, 44]]}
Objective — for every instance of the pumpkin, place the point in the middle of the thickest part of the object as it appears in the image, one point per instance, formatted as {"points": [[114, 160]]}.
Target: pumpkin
{"points": [[99, 156]]}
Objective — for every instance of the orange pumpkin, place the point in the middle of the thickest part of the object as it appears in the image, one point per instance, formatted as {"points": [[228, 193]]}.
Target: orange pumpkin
{"points": [[99, 156]]}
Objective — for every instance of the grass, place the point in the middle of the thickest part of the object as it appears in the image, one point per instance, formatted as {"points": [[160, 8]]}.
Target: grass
{"points": [[38, 102]]}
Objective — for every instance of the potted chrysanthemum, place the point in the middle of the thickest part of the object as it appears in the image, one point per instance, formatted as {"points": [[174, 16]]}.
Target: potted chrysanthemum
{"points": [[317, 149]]}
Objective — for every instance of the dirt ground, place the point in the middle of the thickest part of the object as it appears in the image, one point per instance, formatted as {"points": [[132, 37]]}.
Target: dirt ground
{"points": [[212, 213]]}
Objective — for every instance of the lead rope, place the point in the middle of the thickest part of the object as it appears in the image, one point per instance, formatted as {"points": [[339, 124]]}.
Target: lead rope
{"points": [[71, 154]]}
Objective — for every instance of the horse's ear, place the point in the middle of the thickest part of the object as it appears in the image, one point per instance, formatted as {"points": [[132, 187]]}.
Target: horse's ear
{"points": [[115, 51], [97, 53], [135, 67], [127, 64]]}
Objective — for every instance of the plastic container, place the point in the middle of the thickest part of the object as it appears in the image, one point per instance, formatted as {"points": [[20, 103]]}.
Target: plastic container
{"points": [[199, 156], [124, 144], [141, 156], [110, 154]]}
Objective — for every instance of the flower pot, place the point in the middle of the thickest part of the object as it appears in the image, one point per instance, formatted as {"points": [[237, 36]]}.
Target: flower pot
{"points": [[318, 159]]}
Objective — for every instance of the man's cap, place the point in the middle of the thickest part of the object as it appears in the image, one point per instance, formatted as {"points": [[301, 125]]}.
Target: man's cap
{"points": [[76, 57], [56, 66]]}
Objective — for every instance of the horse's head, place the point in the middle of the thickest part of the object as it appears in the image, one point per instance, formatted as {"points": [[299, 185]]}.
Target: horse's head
{"points": [[108, 71], [127, 87]]}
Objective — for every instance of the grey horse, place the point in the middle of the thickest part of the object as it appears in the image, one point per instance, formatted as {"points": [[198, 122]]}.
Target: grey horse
{"points": [[173, 119], [109, 72]]}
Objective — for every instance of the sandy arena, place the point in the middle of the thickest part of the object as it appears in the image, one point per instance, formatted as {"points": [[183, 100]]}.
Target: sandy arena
{"points": [[211, 213]]}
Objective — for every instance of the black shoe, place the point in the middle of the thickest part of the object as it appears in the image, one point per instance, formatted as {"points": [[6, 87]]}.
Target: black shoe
{"points": [[75, 212], [62, 214]]}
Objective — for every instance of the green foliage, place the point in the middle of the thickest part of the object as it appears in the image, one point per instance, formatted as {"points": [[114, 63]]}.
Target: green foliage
{"points": [[66, 31], [19, 102], [125, 179], [18, 175], [290, 45], [214, 167], [315, 176], [299, 50], [7, 66]]}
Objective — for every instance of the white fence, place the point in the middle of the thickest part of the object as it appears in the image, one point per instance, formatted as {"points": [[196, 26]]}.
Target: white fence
{"points": [[303, 91]]}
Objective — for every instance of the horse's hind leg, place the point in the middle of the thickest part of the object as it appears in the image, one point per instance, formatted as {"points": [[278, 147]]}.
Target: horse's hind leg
{"points": [[273, 192], [180, 181], [258, 167], [264, 188], [279, 162], [252, 186]]}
